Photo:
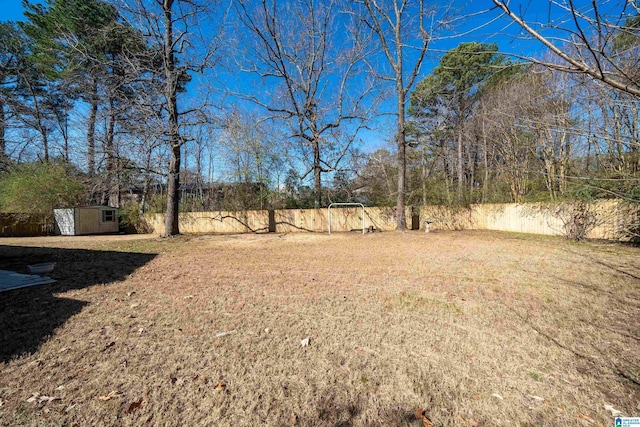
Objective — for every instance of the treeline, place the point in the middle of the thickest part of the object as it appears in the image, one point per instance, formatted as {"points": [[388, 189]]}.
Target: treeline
{"points": [[485, 130], [94, 87], [138, 104]]}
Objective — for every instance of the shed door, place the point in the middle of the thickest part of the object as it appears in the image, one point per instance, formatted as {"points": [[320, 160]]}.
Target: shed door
{"points": [[88, 221]]}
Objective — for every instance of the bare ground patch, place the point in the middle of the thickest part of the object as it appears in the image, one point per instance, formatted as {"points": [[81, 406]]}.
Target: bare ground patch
{"points": [[478, 328]]}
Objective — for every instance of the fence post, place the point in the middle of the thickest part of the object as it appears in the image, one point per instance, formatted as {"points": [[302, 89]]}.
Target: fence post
{"points": [[415, 218], [272, 221]]}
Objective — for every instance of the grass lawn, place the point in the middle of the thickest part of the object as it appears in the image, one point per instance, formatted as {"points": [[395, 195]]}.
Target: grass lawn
{"points": [[477, 328]]}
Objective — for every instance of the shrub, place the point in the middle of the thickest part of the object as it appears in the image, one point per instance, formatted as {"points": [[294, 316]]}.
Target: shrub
{"points": [[132, 221], [38, 188], [578, 219]]}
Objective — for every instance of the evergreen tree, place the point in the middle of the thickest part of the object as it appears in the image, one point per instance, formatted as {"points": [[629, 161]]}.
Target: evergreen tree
{"points": [[446, 98]]}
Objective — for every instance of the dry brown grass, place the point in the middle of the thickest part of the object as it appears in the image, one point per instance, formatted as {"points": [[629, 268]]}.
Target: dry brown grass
{"points": [[476, 327]]}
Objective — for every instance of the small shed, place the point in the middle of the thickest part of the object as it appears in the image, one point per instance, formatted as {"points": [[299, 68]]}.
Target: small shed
{"points": [[86, 220]]}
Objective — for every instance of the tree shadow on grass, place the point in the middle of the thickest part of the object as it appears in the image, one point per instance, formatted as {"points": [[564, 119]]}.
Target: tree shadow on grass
{"points": [[340, 411], [29, 315]]}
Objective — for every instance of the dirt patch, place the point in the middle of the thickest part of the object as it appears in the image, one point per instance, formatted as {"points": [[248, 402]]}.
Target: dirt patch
{"points": [[479, 328]]}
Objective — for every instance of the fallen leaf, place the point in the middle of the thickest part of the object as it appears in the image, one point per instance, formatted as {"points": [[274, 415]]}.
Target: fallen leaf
{"points": [[134, 305], [305, 342], [135, 406], [422, 416], [497, 396], [221, 334], [111, 344], [48, 399], [188, 297], [586, 418], [109, 396], [538, 398], [613, 411], [130, 293], [221, 386], [60, 388], [294, 419]]}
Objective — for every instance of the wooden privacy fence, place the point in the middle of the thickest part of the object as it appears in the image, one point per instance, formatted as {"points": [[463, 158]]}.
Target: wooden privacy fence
{"points": [[281, 220], [606, 219], [13, 225], [603, 219]]}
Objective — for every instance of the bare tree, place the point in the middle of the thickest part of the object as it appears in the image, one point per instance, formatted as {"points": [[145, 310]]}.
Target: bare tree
{"points": [[504, 116], [588, 44], [180, 46], [599, 44], [405, 29], [377, 178], [250, 152], [298, 45]]}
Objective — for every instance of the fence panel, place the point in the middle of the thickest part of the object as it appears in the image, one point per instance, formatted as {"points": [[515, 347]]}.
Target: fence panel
{"points": [[17, 225], [611, 219], [608, 219]]}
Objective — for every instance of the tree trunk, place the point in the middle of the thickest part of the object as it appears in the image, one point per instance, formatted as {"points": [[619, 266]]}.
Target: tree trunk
{"points": [[112, 186], [171, 227], [3, 127], [472, 162], [317, 172], [485, 181], [145, 187], [634, 147], [424, 175], [565, 157], [199, 192], [401, 220], [67, 153], [45, 143], [39, 125], [91, 130], [460, 168]]}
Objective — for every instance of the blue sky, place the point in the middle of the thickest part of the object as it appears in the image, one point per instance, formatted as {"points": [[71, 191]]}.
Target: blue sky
{"points": [[486, 27], [11, 10], [501, 30]]}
